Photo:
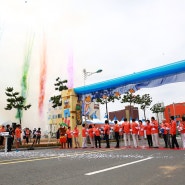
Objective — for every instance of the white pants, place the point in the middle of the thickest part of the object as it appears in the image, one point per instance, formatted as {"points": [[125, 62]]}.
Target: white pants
{"points": [[155, 139], [183, 140], [142, 141], [127, 136], [135, 140], [84, 142], [91, 141]]}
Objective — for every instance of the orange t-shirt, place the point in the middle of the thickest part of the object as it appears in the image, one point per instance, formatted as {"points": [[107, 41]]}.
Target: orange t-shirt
{"points": [[18, 133], [75, 132], [148, 129], [154, 127], [116, 128], [83, 132], [141, 130], [107, 129], [2, 130], [173, 127], [90, 132], [69, 134], [134, 126], [126, 127], [97, 132], [166, 127], [182, 125]]}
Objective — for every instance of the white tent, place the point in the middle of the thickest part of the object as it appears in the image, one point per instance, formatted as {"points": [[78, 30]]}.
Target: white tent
{"points": [[97, 121]]}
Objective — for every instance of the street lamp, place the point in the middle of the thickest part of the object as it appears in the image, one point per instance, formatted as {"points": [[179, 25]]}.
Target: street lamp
{"points": [[86, 73], [105, 100]]}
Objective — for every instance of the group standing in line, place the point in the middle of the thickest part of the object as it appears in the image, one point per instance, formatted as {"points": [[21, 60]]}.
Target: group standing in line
{"points": [[94, 134], [129, 131]]}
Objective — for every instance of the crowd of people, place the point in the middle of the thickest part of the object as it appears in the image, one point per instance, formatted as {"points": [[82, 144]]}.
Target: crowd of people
{"points": [[133, 134], [19, 136], [141, 135]]}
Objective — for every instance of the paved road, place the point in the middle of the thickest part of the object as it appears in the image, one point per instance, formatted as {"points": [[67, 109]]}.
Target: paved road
{"points": [[93, 167]]}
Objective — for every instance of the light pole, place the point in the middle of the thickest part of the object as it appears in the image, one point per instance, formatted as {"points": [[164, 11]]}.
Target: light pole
{"points": [[105, 100], [174, 110], [86, 73]]}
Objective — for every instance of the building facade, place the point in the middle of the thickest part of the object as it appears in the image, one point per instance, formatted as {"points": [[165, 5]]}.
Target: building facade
{"points": [[174, 109], [64, 113], [129, 112]]}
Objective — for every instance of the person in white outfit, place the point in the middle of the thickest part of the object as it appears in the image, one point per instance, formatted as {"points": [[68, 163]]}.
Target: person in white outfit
{"points": [[126, 132], [135, 130], [155, 132], [181, 129]]}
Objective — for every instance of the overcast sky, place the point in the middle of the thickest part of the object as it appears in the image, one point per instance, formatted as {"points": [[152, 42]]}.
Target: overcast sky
{"points": [[65, 36]]}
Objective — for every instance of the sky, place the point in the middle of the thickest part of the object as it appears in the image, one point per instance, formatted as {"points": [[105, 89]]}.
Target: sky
{"points": [[41, 40]]}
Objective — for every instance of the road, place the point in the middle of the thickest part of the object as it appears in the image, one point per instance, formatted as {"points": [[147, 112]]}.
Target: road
{"points": [[93, 167]]}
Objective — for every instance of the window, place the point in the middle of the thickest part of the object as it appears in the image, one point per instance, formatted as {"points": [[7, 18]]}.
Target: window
{"points": [[59, 115]]}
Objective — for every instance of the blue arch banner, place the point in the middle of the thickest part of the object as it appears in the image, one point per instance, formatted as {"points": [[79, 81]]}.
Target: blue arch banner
{"points": [[170, 73]]}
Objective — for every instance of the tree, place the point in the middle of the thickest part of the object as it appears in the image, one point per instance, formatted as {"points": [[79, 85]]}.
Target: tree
{"points": [[59, 86], [130, 98], [156, 108], [16, 101], [106, 99], [145, 101]]}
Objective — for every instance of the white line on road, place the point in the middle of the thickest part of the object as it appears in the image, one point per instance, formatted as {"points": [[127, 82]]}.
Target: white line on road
{"points": [[119, 166]]}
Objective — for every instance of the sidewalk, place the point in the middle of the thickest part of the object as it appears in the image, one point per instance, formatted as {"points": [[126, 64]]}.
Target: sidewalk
{"points": [[44, 143]]}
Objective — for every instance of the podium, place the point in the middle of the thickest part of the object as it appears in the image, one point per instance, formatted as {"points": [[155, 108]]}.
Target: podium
{"points": [[5, 135]]}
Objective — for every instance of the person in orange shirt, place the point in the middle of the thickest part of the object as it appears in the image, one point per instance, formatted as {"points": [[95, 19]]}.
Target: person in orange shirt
{"points": [[165, 131], [148, 128], [116, 131], [97, 133], [173, 132], [126, 131], [182, 131], [76, 135], [84, 136], [91, 135], [107, 132], [155, 132], [18, 137], [141, 133], [2, 137], [69, 137], [134, 127]]}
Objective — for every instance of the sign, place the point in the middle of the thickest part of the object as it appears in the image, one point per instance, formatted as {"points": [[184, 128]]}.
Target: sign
{"points": [[4, 133]]}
